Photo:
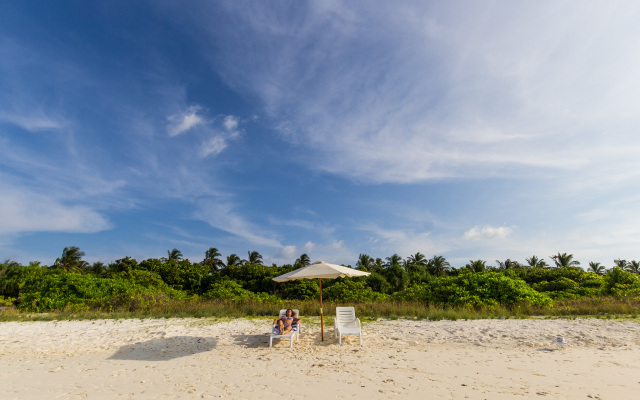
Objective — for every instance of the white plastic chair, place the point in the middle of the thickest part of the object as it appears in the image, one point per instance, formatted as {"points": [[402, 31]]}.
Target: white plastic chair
{"points": [[346, 323], [560, 342], [295, 332]]}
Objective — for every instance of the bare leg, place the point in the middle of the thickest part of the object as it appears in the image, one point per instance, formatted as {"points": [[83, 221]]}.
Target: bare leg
{"points": [[280, 326]]}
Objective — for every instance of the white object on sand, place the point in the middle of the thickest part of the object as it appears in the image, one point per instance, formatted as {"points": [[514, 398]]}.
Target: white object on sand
{"points": [[346, 323], [560, 341], [295, 331]]}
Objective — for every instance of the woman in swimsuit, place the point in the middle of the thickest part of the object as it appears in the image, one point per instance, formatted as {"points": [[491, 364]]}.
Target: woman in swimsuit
{"points": [[285, 324]]}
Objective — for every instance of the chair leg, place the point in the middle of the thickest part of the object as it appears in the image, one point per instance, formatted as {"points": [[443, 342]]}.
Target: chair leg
{"points": [[270, 341], [360, 339], [340, 339]]}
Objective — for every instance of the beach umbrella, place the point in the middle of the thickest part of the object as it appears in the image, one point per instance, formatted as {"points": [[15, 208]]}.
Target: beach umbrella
{"points": [[320, 270]]}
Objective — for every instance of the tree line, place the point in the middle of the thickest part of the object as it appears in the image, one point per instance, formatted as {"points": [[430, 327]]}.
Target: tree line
{"points": [[126, 283]]}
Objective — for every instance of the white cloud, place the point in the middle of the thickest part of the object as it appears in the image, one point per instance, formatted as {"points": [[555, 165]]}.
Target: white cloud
{"points": [[487, 232], [444, 87], [288, 253], [36, 122], [24, 211], [404, 242], [213, 146], [180, 123], [221, 139], [230, 123], [223, 215]]}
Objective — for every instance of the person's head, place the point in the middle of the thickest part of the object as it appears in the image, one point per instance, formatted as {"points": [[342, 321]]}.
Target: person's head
{"points": [[289, 313]]}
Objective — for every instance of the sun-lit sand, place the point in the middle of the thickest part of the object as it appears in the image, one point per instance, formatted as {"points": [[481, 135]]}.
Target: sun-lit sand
{"points": [[204, 358]]}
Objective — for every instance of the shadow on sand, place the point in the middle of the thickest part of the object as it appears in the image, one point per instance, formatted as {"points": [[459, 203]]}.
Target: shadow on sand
{"points": [[550, 350], [164, 349], [308, 337], [252, 341]]}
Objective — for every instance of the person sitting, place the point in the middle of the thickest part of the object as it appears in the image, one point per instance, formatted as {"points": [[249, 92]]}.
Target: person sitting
{"points": [[295, 323], [285, 323]]}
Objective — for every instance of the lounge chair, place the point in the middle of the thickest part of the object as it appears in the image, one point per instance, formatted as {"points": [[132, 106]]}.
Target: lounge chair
{"points": [[295, 332], [346, 323]]}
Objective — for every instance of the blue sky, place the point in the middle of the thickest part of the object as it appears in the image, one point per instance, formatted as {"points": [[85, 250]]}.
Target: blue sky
{"points": [[482, 130]]}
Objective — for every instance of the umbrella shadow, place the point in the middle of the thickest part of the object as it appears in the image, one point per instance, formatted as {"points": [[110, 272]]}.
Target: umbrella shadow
{"points": [[164, 349], [253, 341]]}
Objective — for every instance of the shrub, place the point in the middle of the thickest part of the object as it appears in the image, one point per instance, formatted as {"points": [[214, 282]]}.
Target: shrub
{"points": [[232, 290], [349, 290], [417, 292], [378, 283], [621, 283], [305, 289], [57, 291], [483, 289], [14, 278]]}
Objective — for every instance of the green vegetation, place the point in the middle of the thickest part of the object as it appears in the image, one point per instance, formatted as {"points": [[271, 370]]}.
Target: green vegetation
{"points": [[415, 287]]}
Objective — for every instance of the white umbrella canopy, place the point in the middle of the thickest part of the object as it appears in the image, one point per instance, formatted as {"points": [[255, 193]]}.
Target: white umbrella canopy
{"points": [[320, 270]]}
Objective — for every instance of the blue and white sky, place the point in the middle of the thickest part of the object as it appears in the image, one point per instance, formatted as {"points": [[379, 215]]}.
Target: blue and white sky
{"points": [[473, 130]]}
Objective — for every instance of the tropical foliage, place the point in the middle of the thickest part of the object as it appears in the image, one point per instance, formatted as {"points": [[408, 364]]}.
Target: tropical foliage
{"points": [[71, 283]]}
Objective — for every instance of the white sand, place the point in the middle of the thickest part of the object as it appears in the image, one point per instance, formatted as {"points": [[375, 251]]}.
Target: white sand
{"points": [[204, 358]]}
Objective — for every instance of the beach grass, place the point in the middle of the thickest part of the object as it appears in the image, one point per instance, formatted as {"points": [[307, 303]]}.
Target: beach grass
{"points": [[600, 307]]}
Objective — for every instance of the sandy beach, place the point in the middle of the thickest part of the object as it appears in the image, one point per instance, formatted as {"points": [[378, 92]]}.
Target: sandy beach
{"points": [[404, 359]]}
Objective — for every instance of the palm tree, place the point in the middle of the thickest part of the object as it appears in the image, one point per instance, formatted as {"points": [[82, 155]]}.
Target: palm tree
{"points": [[507, 264], [438, 266], [393, 261], [378, 266], [254, 258], [535, 262], [302, 261], [4, 267], [98, 268], [596, 268], [71, 260], [10, 263], [622, 264], [633, 266], [476, 266], [172, 255], [212, 260], [564, 260], [417, 259], [416, 266], [233, 260], [365, 263]]}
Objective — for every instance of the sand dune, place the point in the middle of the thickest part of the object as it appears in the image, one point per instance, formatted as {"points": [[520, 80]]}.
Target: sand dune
{"points": [[205, 358]]}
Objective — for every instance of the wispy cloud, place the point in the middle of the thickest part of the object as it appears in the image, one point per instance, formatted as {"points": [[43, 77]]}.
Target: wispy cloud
{"points": [[214, 139], [213, 146], [181, 123], [287, 254], [404, 242], [230, 123], [34, 122], [444, 87], [220, 141], [224, 216], [487, 232], [24, 211]]}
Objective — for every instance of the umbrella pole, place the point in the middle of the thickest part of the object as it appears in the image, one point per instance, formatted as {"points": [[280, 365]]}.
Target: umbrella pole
{"points": [[321, 314]]}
